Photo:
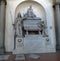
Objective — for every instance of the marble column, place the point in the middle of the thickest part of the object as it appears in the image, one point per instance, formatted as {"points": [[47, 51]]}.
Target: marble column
{"points": [[2, 24], [57, 15]]}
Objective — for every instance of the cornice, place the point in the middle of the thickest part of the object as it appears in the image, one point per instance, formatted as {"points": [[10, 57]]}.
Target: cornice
{"points": [[3, 1]]}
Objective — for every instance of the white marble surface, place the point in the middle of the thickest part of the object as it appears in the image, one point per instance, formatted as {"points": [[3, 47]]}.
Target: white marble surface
{"points": [[35, 44]]}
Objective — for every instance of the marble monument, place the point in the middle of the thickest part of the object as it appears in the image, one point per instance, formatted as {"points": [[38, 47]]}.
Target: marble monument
{"points": [[30, 33], [30, 27]]}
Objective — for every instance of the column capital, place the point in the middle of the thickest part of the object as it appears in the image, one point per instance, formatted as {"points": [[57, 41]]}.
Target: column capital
{"points": [[3, 1], [58, 3]]}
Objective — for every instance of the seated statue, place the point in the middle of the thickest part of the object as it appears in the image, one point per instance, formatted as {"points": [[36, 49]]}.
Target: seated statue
{"points": [[30, 13]]}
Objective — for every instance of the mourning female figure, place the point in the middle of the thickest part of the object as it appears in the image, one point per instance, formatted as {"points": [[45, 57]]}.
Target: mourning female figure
{"points": [[18, 26]]}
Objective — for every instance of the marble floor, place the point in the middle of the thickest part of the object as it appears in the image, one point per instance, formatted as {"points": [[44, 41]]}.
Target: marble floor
{"points": [[43, 57]]}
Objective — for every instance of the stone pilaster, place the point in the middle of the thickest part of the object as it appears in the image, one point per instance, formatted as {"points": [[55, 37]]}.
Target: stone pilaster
{"points": [[2, 26], [57, 15]]}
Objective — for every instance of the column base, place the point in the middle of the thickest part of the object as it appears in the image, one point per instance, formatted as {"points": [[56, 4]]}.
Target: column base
{"points": [[1, 51]]}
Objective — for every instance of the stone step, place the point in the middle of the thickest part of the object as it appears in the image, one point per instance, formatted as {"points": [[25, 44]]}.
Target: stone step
{"points": [[4, 57], [19, 57]]}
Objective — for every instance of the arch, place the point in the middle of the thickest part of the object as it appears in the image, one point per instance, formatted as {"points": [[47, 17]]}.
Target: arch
{"points": [[20, 8], [27, 2]]}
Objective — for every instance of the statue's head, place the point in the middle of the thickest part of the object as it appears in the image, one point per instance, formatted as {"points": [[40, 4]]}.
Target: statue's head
{"points": [[30, 9], [19, 15]]}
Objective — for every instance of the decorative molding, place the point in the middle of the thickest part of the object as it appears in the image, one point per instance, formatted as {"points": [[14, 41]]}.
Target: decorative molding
{"points": [[57, 3], [3, 1]]}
